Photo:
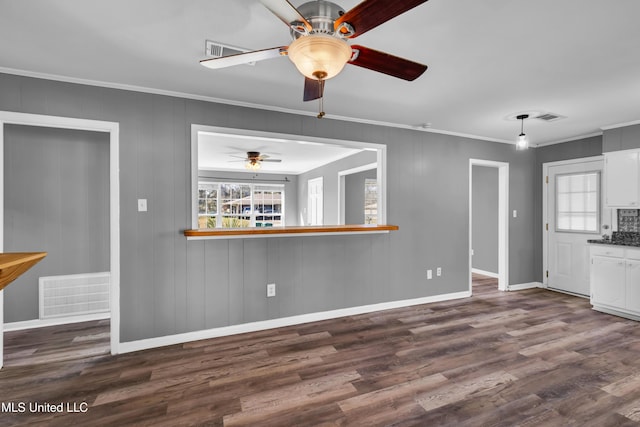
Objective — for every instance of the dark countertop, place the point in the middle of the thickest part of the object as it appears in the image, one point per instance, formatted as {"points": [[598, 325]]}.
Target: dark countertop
{"points": [[614, 243]]}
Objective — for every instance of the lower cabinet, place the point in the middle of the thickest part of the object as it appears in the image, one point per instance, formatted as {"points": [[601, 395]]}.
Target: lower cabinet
{"points": [[633, 285], [608, 280], [615, 280]]}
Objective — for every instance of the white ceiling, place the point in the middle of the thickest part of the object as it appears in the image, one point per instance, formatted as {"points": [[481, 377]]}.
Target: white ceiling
{"points": [[487, 59], [222, 153]]}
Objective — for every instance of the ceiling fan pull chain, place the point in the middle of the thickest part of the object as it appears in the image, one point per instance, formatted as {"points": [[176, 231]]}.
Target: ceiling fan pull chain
{"points": [[321, 99]]}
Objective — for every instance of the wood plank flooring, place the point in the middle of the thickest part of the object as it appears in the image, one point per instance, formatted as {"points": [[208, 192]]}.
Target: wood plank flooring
{"points": [[527, 358]]}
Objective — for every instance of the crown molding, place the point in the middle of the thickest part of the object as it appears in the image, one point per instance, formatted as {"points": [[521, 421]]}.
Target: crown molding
{"points": [[573, 138], [154, 91], [621, 125]]}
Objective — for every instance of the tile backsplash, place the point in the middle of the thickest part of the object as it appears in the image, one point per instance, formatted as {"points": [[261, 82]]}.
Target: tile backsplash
{"points": [[629, 220]]}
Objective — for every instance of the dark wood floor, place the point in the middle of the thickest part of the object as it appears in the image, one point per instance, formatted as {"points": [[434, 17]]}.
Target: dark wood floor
{"points": [[528, 358]]}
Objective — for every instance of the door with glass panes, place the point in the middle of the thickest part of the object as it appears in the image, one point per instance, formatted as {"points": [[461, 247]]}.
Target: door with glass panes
{"points": [[575, 214]]}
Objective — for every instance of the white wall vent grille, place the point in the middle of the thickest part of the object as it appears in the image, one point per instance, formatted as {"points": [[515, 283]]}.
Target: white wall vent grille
{"points": [[218, 50], [74, 295]]}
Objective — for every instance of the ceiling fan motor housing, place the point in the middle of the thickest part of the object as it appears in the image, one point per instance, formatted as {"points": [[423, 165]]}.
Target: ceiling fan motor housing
{"points": [[321, 15]]}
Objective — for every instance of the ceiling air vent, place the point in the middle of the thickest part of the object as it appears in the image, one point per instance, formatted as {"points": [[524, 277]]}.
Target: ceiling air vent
{"points": [[550, 117], [218, 50]]}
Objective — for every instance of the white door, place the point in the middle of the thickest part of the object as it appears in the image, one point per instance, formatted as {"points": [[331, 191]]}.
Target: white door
{"points": [[315, 201], [575, 214]]}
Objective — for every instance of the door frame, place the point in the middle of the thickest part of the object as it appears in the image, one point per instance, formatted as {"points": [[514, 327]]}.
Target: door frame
{"points": [[545, 195], [113, 129], [342, 202], [503, 220]]}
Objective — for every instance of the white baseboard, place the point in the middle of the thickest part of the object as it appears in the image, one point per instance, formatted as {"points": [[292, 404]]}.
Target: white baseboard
{"points": [[127, 347], [41, 323], [484, 273], [522, 286]]}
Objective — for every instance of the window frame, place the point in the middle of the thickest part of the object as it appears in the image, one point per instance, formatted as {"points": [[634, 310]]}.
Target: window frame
{"points": [[253, 214], [598, 202], [381, 154]]}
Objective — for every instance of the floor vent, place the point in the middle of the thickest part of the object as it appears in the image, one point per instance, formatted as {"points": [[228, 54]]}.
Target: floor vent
{"points": [[74, 295], [218, 50], [550, 117]]}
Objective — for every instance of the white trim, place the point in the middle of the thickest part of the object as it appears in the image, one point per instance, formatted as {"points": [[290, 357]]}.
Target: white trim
{"points": [[503, 219], [485, 273], [545, 195], [43, 323], [620, 125], [113, 128], [145, 344], [358, 169], [523, 286], [184, 95], [573, 138]]}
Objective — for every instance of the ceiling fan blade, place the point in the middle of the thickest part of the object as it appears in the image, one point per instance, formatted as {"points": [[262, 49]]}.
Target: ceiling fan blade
{"points": [[243, 58], [287, 13], [313, 89], [385, 63], [371, 13], [272, 160]]}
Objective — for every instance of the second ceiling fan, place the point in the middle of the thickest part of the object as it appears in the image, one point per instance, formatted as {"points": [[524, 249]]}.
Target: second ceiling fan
{"points": [[320, 49]]}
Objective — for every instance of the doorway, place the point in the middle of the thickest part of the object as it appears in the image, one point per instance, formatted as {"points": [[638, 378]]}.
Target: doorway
{"points": [[573, 212], [353, 207], [112, 129], [502, 218]]}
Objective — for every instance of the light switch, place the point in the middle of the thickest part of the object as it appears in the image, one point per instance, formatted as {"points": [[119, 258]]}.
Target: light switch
{"points": [[515, 213], [142, 205]]}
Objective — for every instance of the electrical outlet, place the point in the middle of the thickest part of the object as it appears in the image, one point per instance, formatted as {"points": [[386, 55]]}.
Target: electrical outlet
{"points": [[271, 290], [429, 274], [439, 271]]}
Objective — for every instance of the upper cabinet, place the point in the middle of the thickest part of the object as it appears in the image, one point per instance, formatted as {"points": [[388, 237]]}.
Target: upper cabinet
{"points": [[622, 179]]}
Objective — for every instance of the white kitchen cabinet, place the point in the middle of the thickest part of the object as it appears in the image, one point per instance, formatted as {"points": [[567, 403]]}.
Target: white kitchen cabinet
{"points": [[622, 179], [632, 288], [615, 280], [608, 281]]}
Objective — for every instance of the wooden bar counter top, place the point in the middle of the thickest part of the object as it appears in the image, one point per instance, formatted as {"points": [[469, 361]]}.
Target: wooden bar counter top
{"points": [[13, 264]]}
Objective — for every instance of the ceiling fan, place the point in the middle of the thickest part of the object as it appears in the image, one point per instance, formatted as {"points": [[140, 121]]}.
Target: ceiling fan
{"points": [[320, 30], [254, 159]]}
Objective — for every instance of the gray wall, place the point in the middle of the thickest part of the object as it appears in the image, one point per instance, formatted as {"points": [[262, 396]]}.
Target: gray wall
{"points": [[290, 187], [56, 199], [354, 196], [330, 184], [485, 218], [577, 149], [170, 285], [624, 138]]}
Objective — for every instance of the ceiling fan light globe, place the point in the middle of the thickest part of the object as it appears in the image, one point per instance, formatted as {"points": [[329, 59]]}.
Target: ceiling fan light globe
{"points": [[252, 165], [319, 56]]}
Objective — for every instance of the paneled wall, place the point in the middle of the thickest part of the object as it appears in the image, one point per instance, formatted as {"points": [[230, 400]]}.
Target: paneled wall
{"points": [[170, 285], [485, 219], [354, 185], [56, 199]]}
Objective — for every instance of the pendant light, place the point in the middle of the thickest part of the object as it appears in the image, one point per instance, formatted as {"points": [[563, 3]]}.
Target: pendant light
{"points": [[523, 142]]}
